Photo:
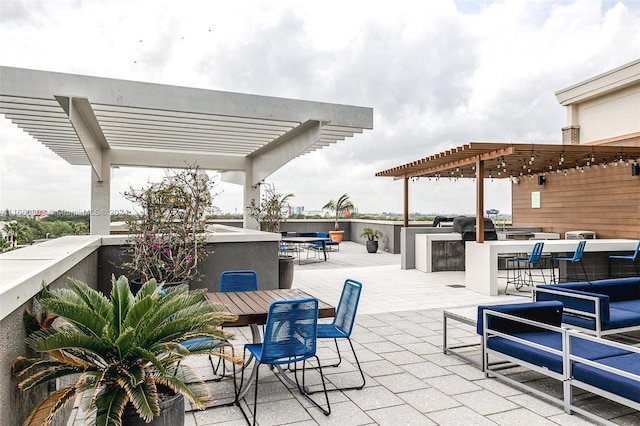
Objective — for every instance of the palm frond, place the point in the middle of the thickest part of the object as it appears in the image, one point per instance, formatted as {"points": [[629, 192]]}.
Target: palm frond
{"points": [[109, 406], [78, 314], [40, 374], [144, 398], [44, 412], [91, 298], [60, 338], [139, 310], [196, 391], [121, 300]]}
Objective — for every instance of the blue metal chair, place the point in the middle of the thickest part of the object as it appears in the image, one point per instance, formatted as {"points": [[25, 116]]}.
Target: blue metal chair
{"points": [[632, 257], [208, 344], [343, 322], [240, 280], [577, 257], [289, 338], [524, 276]]}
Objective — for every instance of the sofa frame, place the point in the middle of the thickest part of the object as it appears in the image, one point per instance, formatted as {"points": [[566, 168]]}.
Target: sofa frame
{"points": [[515, 334], [602, 307]]}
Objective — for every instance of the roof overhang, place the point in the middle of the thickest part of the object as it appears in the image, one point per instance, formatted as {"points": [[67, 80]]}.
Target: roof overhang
{"points": [[81, 118], [505, 160], [610, 81]]}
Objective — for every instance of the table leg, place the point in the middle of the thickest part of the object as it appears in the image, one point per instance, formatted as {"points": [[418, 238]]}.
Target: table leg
{"points": [[324, 249]]}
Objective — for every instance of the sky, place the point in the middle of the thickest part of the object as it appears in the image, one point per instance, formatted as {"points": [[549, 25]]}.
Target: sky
{"points": [[437, 74]]}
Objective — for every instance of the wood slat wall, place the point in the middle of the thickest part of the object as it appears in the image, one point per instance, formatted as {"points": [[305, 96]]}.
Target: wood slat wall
{"points": [[604, 200]]}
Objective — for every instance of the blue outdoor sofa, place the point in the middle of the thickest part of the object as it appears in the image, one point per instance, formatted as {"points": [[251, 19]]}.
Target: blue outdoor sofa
{"points": [[529, 335], [599, 307]]}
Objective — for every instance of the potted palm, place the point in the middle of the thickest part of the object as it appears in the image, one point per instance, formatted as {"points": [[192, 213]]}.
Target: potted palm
{"points": [[120, 355], [167, 235], [340, 206], [372, 236], [270, 213]]}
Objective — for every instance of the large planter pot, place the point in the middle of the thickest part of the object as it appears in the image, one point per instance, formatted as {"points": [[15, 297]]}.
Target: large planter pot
{"points": [[372, 246], [171, 413], [135, 284], [285, 271], [336, 236]]}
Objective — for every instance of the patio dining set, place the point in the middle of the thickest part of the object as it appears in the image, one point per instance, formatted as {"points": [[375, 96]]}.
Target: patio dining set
{"points": [[284, 332]]}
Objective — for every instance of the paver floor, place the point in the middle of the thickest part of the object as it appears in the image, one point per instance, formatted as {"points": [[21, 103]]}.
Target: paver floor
{"points": [[398, 340]]}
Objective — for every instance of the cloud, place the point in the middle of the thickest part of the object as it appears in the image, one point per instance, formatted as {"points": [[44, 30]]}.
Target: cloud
{"points": [[437, 74]]}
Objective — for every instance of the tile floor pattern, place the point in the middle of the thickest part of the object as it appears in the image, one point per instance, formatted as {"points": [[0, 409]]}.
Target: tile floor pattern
{"points": [[398, 339]]}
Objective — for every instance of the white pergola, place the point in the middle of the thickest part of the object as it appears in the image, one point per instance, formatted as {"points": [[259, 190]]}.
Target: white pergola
{"points": [[109, 123]]}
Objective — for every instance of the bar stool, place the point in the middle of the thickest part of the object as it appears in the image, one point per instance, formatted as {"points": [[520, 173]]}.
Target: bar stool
{"points": [[577, 257], [524, 276], [632, 257]]}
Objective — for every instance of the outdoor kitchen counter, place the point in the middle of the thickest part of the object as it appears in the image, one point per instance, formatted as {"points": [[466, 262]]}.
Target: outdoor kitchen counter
{"points": [[481, 259]]}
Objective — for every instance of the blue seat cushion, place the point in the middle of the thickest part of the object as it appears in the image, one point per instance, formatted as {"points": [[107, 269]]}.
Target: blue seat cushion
{"points": [[580, 347], [611, 382], [202, 343], [618, 318], [329, 331], [628, 305]]}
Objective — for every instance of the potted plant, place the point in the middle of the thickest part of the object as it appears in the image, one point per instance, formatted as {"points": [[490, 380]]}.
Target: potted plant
{"points": [[119, 354], [341, 205], [167, 236], [372, 236], [270, 213]]}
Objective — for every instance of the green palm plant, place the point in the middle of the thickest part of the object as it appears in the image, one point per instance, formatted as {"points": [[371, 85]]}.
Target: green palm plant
{"points": [[118, 350], [341, 205]]}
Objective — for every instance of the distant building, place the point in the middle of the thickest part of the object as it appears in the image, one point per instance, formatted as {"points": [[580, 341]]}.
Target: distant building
{"points": [[7, 236]]}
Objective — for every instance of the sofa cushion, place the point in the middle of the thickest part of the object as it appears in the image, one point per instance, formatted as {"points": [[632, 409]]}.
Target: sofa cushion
{"points": [[628, 305], [580, 347], [618, 318], [611, 382], [545, 312], [617, 289]]}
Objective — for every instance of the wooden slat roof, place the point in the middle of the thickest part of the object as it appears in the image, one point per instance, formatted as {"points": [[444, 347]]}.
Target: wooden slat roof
{"points": [[505, 160]]}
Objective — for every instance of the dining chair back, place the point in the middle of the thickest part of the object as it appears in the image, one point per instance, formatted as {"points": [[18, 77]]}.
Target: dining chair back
{"points": [[577, 257], [240, 280], [289, 337], [290, 332], [536, 253], [343, 323], [347, 307], [632, 257]]}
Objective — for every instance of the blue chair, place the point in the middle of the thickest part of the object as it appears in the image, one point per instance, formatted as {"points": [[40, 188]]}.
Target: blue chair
{"points": [[632, 257], [577, 257], [289, 338], [343, 322], [240, 280], [524, 276], [208, 344]]}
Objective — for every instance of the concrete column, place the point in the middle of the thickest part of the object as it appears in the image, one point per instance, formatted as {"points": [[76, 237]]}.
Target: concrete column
{"points": [[251, 192], [100, 215]]}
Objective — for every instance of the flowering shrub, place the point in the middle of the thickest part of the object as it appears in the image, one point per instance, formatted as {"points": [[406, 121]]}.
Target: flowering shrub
{"points": [[272, 210], [167, 235]]}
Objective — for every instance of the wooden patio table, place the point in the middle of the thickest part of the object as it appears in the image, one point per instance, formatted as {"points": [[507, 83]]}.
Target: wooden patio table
{"points": [[252, 307]]}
